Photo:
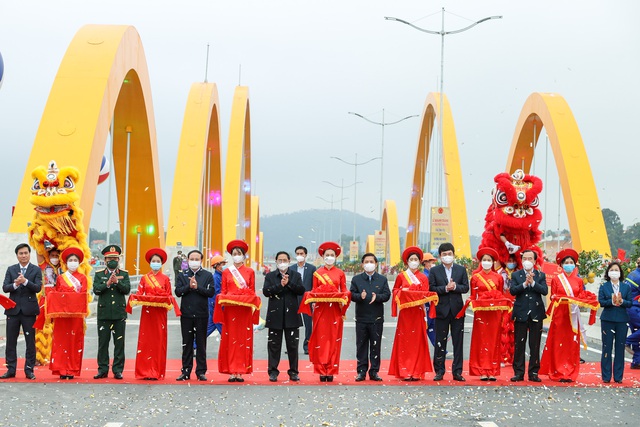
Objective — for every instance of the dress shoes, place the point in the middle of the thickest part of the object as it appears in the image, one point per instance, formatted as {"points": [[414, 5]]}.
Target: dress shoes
{"points": [[306, 351], [30, 376], [606, 381], [484, 378], [8, 375], [517, 378], [535, 379], [294, 377], [566, 380], [232, 379], [582, 361], [100, 376], [329, 378], [201, 377], [323, 378], [239, 379], [619, 381], [492, 379], [438, 377], [375, 377], [635, 366], [458, 377], [117, 376], [273, 378], [361, 377], [183, 377]]}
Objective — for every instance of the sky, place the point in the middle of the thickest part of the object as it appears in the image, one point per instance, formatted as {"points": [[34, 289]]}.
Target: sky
{"points": [[308, 63]]}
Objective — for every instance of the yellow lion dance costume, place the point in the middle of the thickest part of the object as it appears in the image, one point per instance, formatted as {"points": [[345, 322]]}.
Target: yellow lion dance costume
{"points": [[57, 223]]}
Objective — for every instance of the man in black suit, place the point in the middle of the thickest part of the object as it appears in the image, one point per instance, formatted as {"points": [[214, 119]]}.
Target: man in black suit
{"points": [[283, 286], [195, 286], [369, 291], [22, 281], [306, 271], [450, 281], [528, 286]]}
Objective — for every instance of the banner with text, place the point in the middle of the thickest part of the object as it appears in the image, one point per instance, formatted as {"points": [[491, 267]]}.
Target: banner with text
{"points": [[440, 227]]}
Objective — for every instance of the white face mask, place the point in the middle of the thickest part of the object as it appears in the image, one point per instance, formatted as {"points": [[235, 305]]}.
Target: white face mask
{"points": [[370, 267], [237, 259], [300, 258], [329, 260], [414, 265], [614, 275], [447, 259], [54, 261], [283, 266], [487, 265], [527, 265], [73, 266], [194, 265]]}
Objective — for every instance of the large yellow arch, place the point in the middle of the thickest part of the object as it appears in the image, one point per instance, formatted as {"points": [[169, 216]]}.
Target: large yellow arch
{"points": [[197, 183], [452, 171], [550, 110], [103, 76], [236, 209], [390, 226]]}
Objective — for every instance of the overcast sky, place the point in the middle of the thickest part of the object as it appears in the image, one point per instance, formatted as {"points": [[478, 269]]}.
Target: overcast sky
{"points": [[307, 63]]}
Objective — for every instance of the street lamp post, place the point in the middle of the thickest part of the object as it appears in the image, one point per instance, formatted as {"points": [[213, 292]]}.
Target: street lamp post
{"points": [[382, 124], [442, 33], [341, 187], [355, 185], [331, 221]]}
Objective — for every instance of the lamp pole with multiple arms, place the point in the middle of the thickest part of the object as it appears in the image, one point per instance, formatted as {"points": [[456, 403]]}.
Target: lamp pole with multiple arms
{"points": [[382, 124], [442, 33], [331, 221], [342, 198]]}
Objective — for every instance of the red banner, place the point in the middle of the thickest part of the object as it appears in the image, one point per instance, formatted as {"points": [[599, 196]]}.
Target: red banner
{"points": [[66, 304]]}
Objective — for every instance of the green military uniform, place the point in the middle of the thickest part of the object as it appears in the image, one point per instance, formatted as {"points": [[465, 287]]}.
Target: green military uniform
{"points": [[112, 314]]}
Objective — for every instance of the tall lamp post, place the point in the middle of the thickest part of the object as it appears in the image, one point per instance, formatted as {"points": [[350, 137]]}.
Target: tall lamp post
{"points": [[442, 33], [331, 220], [341, 187], [382, 124], [355, 185]]}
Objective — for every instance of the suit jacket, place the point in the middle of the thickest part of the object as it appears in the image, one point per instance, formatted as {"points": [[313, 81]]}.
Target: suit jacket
{"points": [[450, 302], [307, 278], [365, 312], [112, 304], [195, 302], [610, 312], [282, 311], [24, 296], [528, 303]]}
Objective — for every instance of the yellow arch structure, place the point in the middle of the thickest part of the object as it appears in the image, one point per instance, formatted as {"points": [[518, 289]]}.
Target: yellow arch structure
{"points": [[453, 176], [550, 110], [197, 184], [236, 209], [103, 77], [390, 226]]}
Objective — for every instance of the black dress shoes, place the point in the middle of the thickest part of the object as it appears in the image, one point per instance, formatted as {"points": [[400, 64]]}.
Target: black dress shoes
{"points": [[100, 376], [294, 377], [374, 377], [535, 379], [30, 376], [201, 377], [183, 377], [8, 375], [323, 379], [361, 377], [329, 378], [273, 378], [239, 379], [117, 376], [517, 378], [438, 377], [566, 380], [458, 377]]}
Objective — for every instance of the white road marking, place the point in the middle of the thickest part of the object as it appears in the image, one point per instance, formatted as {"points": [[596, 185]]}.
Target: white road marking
{"points": [[113, 424], [487, 424]]}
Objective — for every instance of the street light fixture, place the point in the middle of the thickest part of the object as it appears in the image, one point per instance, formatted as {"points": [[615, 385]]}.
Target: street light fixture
{"points": [[442, 33], [382, 124], [331, 221], [341, 187]]}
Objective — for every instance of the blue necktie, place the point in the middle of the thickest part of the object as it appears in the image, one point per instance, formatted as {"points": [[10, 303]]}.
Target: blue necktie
{"points": [[24, 270]]}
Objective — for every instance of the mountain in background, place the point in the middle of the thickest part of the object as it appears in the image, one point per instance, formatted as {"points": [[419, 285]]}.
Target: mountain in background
{"points": [[310, 228]]}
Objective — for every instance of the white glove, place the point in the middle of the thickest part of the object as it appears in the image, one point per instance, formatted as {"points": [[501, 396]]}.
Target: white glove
{"points": [[511, 247]]}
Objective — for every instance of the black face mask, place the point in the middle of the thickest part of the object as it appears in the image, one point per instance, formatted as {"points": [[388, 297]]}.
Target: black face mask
{"points": [[112, 265]]}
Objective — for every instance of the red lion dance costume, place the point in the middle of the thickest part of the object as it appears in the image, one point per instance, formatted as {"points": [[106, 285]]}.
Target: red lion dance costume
{"points": [[512, 225]]}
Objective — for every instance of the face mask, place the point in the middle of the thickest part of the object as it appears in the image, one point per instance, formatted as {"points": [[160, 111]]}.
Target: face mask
{"points": [[224, 267], [528, 265], [413, 265], [155, 266], [54, 261], [300, 258], [486, 265], [194, 265], [370, 267], [511, 265], [614, 275], [283, 266], [112, 265], [72, 265], [447, 259], [568, 268], [237, 259], [329, 260]]}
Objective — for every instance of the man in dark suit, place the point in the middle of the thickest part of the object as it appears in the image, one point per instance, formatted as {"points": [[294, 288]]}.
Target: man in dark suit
{"points": [[369, 291], [22, 281], [306, 271], [450, 281], [111, 285], [528, 286], [283, 286], [195, 286]]}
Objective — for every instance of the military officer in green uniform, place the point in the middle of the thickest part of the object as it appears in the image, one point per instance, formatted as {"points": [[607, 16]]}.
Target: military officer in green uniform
{"points": [[111, 285]]}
